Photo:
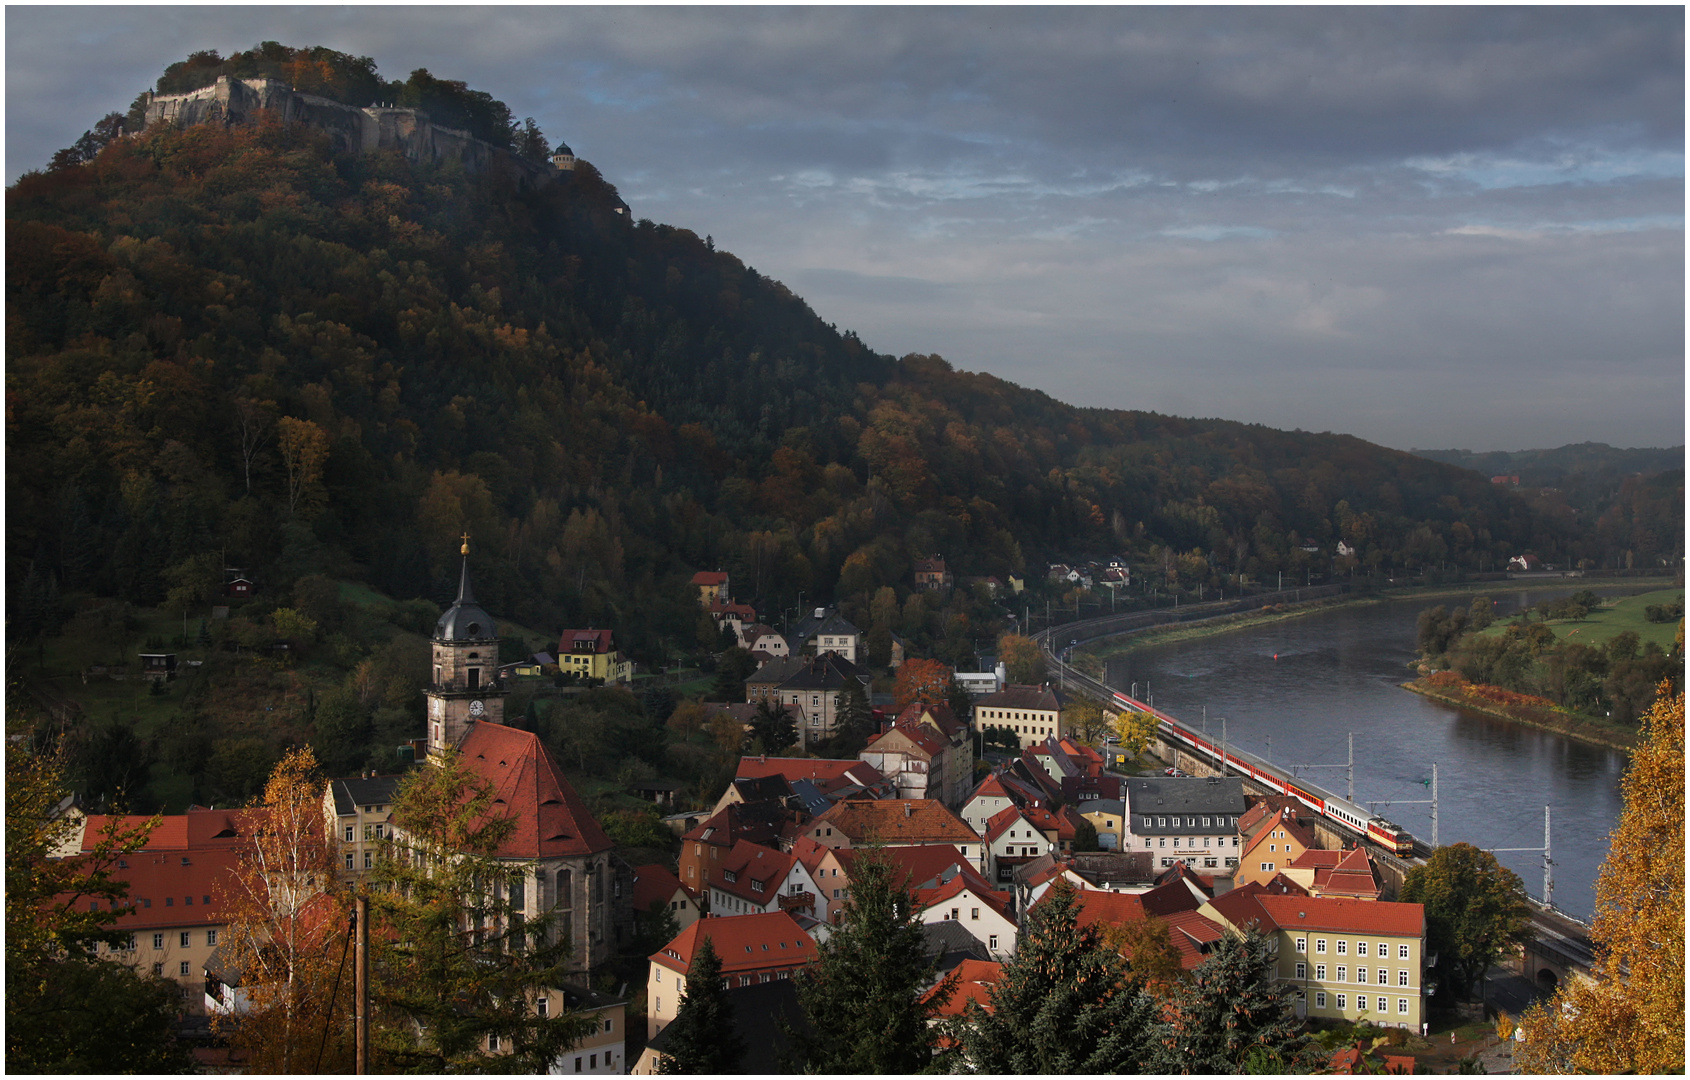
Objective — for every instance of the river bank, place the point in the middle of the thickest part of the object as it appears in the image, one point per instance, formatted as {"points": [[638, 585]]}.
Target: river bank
{"points": [[1092, 658], [1451, 689]]}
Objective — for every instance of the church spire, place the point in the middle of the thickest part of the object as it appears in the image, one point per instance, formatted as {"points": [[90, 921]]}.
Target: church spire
{"points": [[466, 595]]}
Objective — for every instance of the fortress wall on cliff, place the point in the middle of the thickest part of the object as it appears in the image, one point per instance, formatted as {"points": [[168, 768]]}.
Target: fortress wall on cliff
{"points": [[407, 131]]}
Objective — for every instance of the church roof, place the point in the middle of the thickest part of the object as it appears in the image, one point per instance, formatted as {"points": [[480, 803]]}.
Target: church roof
{"points": [[465, 620], [526, 784]]}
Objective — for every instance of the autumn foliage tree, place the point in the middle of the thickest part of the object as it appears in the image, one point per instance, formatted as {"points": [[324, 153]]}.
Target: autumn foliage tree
{"points": [[287, 929], [1022, 658], [924, 681], [1630, 1017], [1475, 911], [1152, 961]]}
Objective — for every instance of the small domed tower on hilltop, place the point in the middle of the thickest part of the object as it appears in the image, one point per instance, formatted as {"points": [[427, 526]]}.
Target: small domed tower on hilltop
{"points": [[465, 688]]}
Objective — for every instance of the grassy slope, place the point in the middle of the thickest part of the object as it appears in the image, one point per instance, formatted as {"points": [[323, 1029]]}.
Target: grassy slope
{"points": [[1613, 618]]}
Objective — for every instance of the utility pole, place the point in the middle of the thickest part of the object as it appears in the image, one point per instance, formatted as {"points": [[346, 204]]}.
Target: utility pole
{"points": [[1548, 863], [361, 985]]}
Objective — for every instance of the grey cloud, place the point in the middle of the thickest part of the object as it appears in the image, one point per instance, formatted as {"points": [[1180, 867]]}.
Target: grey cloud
{"points": [[1414, 224]]}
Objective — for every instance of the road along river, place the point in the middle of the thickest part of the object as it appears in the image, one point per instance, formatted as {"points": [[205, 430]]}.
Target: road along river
{"points": [[1293, 691]]}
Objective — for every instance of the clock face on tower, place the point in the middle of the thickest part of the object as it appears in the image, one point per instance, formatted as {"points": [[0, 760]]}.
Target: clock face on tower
{"points": [[476, 708]]}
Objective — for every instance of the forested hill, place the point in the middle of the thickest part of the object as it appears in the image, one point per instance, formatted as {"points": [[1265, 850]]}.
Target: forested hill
{"points": [[231, 346]]}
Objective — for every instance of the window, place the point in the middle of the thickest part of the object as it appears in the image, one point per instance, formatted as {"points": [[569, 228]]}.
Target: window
{"points": [[369, 832], [379, 832], [184, 939], [211, 937], [1343, 947], [1402, 1005], [542, 1006], [609, 1023], [577, 1064], [349, 860], [992, 942], [1320, 999], [349, 834], [182, 968], [1147, 823], [1147, 841], [1161, 823], [1402, 978], [1302, 944], [1402, 952], [493, 1042], [158, 941], [1384, 1005], [158, 969], [1302, 971], [974, 914], [1176, 841], [1320, 945], [1343, 973], [1342, 1002], [593, 1061], [1205, 823], [367, 857], [657, 1007], [1320, 972]]}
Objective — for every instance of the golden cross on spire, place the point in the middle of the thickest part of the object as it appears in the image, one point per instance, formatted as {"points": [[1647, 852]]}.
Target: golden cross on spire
{"points": [[465, 549]]}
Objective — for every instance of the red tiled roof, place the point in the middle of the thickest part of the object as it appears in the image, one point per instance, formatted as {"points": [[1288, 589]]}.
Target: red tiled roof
{"points": [[941, 716], [1168, 898], [991, 786], [752, 863], [710, 577], [920, 736], [896, 821], [1187, 930], [974, 980], [744, 942], [1343, 915], [527, 785], [1283, 886], [959, 886], [998, 822], [200, 827], [654, 883], [924, 865], [1281, 820], [181, 887], [579, 642]]}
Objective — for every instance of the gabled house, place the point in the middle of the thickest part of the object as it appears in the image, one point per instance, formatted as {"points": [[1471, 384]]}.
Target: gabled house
{"points": [[825, 630], [1108, 817], [357, 809], [1279, 842], [1336, 873], [704, 846], [593, 654], [815, 685], [1011, 840], [833, 778], [926, 753], [894, 823], [968, 902], [753, 949], [657, 888], [764, 643], [752, 878], [932, 574], [712, 585]]}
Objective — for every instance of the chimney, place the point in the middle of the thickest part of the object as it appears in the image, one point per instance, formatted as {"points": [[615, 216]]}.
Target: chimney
{"points": [[909, 811]]}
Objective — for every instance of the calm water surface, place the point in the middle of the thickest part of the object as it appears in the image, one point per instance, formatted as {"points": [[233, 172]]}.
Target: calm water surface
{"points": [[1300, 687]]}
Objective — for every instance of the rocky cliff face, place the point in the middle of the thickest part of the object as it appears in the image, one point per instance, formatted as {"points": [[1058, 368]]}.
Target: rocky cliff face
{"points": [[408, 131]]}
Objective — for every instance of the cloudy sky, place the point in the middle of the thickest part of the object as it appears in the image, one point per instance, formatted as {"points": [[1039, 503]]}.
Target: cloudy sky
{"points": [[1429, 227]]}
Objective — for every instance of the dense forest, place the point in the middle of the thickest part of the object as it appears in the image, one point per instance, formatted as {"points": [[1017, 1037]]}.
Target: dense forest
{"points": [[232, 347]]}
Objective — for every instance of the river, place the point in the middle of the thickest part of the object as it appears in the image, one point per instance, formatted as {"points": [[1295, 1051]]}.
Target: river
{"points": [[1292, 691]]}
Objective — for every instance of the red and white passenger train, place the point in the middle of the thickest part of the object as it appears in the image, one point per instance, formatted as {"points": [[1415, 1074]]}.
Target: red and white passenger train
{"points": [[1391, 836]]}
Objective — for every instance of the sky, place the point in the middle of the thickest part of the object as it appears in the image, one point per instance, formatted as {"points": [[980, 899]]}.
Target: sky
{"points": [[1446, 227]]}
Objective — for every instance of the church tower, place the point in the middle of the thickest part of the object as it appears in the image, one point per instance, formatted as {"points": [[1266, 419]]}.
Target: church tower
{"points": [[465, 688]]}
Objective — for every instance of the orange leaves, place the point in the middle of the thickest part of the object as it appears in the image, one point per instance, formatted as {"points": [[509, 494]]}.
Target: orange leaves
{"points": [[926, 681]]}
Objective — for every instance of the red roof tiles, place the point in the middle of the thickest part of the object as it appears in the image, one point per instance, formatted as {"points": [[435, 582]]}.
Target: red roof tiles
{"points": [[758, 942], [526, 784]]}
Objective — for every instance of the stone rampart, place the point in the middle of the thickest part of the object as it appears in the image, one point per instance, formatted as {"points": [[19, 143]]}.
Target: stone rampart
{"points": [[352, 129]]}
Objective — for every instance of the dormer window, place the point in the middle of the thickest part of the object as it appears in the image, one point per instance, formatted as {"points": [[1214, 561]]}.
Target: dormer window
{"points": [[730, 876], [756, 886]]}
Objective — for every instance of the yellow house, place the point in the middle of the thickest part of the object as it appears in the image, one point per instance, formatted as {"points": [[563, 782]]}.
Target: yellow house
{"points": [[593, 654], [1348, 959]]}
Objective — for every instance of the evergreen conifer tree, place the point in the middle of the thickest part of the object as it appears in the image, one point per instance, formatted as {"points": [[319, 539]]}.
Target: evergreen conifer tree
{"points": [[702, 1038], [864, 994], [853, 722], [1063, 1004], [1230, 1009]]}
